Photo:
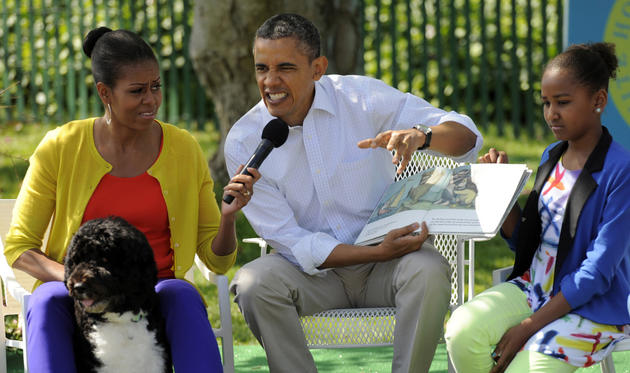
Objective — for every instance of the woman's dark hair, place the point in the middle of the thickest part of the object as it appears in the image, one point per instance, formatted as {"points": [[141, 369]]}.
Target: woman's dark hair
{"points": [[592, 64], [289, 25], [111, 50]]}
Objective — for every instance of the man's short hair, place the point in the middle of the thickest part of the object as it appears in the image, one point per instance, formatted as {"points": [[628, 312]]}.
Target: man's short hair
{"points": [[287, 25]]}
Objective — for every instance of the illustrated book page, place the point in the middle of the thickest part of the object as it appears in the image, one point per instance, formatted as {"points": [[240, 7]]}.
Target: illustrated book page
{"points": [[472, 200]]}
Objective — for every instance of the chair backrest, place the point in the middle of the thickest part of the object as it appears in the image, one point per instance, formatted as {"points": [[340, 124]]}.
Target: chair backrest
{"points": [[446, 244], [421, 161], [10, 305], [6, 210]]}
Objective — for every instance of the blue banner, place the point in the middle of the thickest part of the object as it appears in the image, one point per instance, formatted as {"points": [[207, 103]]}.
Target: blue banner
{"points": [[607, 20]]}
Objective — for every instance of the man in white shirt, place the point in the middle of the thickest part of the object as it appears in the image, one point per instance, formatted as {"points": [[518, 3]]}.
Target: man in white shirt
{"points": [[318, 190]]}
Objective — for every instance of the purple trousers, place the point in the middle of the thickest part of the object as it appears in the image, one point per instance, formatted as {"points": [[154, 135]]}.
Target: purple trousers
{"points": [[50, 325]]}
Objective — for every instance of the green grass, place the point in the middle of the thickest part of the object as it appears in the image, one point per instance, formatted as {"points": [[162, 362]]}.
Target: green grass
{"points": [[17, 143]]}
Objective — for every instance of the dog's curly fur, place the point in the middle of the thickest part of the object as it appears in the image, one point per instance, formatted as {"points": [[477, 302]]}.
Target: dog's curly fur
{"points": [[111, 275]]}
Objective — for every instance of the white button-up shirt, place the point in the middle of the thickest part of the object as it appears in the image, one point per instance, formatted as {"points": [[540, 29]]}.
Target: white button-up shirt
{"points": [[319, 188]]}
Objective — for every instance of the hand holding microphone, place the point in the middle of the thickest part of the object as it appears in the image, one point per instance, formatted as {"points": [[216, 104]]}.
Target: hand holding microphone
{"points": [[273, 135]]}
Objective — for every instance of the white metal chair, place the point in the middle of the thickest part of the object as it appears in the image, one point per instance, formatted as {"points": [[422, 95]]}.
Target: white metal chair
{"points": [[607, 365], [15, 299], [225, 330], [368, 327]]}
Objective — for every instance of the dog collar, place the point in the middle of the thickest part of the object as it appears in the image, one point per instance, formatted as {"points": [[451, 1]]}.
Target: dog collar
{"points": [[138, 317]]}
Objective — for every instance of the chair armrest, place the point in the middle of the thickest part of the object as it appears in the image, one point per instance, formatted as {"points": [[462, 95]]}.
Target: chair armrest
{"points": [[501, 274], [222, 283], [261, 243], [225, 331], [205, 272]]}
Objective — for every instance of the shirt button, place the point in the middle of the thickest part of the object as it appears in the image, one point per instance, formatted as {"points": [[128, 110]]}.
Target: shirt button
{"points": [[176, 245], [166, 192], [173, 219], [317, 172], [178, 267]]}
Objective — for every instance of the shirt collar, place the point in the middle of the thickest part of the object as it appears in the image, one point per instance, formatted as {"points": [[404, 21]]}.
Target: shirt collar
{"points": [[322, 100]]}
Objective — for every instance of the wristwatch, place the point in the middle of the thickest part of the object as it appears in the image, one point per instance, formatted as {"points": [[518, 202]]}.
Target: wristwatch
{"points": [[427, 135]]}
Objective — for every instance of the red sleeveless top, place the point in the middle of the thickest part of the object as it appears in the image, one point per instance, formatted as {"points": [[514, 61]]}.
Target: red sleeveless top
{"points": [[138, 200]]}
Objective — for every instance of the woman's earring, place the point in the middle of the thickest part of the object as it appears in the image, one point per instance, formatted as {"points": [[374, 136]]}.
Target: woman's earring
{"points": [[108, 118], [598, 110]]}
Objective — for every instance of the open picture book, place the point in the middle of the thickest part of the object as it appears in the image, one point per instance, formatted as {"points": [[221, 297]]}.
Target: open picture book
{"points": [[471, 200]]}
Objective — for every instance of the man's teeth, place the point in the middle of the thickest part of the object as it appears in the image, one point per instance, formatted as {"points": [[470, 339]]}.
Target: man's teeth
{"points": [[277, 96]]}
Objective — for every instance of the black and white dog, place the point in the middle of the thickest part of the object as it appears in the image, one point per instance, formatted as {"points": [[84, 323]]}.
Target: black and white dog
{"points": [[111, 274]]}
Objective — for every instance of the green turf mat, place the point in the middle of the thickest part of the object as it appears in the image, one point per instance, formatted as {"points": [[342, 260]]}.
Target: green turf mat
{"points": [[14, 360], [372, 360], [348, 360], [251, 358]]}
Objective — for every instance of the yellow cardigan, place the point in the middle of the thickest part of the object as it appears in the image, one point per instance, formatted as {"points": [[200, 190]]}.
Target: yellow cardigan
{"points": [[65, 170]]}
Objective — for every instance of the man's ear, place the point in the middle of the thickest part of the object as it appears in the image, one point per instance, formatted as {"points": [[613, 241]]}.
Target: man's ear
{"points": [[320, 65]]}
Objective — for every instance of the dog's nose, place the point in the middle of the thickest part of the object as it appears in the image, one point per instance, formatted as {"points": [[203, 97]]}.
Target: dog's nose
{"points": [[78, 288]]}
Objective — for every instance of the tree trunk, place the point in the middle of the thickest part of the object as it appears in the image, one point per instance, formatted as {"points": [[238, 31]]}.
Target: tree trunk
{"points": [[221, 51]]}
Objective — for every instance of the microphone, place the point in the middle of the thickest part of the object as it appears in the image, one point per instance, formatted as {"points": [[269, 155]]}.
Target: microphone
{"points": [[273, 135]]}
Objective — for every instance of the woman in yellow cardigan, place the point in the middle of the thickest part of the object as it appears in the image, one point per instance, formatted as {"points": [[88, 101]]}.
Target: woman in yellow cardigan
{"points": [[128, 164]]}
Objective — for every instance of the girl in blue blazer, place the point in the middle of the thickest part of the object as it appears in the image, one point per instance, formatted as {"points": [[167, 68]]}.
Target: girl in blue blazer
{"points": [[565, 305]]}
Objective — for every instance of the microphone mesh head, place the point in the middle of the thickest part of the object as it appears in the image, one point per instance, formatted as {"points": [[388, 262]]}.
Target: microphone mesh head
{"points": [[276, 131]]}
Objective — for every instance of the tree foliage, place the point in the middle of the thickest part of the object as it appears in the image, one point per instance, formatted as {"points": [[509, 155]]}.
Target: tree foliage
{"points": [[221, 50], [483, 58]]}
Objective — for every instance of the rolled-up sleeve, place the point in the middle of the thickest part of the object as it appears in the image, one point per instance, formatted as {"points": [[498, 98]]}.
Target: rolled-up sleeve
{"points": [[272, 218], [397, 110], [36, 201], [306, 249]]}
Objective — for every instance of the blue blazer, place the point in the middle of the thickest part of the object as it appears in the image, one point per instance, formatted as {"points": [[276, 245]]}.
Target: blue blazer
{"points": [[593, 262]]}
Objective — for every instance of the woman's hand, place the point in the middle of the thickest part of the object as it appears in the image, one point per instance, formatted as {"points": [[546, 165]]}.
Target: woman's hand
{"points": [[241, 187], [511, 343], [494, 156]]}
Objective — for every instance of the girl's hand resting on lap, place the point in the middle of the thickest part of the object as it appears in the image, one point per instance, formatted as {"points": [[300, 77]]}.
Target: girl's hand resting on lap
{"points": [[509, 345]]}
